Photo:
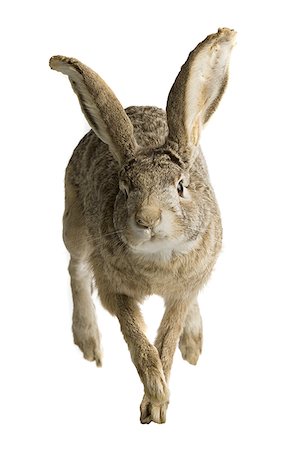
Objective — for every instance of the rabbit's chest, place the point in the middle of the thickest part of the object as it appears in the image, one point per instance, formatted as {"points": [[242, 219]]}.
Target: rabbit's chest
{"points": [[162, 279]]}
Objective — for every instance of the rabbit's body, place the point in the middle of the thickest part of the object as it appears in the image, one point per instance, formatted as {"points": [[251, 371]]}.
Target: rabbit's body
{"points": [[141, 217]]}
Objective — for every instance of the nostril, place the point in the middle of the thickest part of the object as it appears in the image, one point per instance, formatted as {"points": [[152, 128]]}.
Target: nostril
{"points": [[141, 223]]}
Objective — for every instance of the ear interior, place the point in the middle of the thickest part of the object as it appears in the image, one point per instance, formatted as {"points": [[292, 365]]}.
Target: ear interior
{"points": [[199, 87], [195, 129]]}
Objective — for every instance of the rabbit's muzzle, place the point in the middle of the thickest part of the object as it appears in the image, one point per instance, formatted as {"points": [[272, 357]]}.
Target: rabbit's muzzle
{"points": [[145, 226], [150, 231]]}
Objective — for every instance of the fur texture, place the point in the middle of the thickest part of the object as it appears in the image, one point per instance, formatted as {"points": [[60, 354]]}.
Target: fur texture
{"points": [[141, 216]]}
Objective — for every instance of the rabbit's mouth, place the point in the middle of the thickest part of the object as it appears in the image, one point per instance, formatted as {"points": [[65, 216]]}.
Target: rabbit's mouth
{"points": [[158, 244], [148, 239], [152, 244]]}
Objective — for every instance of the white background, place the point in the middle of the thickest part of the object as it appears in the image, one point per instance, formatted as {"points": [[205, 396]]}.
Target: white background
{"points": [[244, 393]]}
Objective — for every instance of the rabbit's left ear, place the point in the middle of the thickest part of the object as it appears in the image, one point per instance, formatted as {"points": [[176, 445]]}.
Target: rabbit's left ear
{"points": [[198, 89]]}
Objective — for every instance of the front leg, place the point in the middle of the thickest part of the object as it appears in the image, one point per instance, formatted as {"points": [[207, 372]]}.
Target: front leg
{"points": [[166, 341], [144, 355]]}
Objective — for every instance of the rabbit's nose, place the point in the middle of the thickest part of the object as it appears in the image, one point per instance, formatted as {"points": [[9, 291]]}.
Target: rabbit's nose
{"points": [[148, 218]]}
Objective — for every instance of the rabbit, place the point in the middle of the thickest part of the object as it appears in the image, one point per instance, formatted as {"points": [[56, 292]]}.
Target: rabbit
{"points": [[141, 216]]}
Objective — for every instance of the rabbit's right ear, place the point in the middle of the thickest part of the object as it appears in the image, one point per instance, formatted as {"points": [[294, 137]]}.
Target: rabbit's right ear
{"points": [[198, 89], [100, 106]]}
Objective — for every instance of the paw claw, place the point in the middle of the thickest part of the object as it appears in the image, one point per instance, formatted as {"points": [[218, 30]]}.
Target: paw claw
{"points": [[98, 361]]}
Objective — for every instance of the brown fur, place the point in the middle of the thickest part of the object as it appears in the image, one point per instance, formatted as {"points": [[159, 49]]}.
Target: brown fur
{"points": [[131, 225]]}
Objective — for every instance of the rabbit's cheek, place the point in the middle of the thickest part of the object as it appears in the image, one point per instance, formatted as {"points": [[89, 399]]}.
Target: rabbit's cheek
{"points": [[166, 228]]}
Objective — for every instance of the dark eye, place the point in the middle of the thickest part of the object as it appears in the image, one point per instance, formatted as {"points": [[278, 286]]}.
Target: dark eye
{"points": [[180, 188]]}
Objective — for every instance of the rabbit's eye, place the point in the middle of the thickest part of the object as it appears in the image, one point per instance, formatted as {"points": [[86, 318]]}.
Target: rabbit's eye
{"points": [[180, 188]]}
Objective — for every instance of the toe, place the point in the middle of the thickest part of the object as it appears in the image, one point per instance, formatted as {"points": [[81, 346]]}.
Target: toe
{"points": [[158, 413], [145, 410]]}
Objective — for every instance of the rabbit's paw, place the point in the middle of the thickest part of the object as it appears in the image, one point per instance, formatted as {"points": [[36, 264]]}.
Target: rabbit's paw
{"points": [[86, 336], [190, 345], [152, 412]]}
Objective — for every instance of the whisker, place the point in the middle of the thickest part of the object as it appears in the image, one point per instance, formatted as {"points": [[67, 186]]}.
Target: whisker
{"points": [[113, 232], [98, 238]]}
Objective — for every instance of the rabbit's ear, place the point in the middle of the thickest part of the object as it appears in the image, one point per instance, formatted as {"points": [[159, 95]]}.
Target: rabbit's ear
{"points": [[100, 106], [198, 88]]}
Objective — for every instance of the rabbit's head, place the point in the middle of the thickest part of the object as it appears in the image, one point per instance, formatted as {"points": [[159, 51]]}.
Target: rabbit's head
{"points": [[161, 203], [164, 200]]}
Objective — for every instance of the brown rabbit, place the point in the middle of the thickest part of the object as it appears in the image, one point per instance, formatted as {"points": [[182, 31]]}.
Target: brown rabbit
{"points": [[141, 217]]}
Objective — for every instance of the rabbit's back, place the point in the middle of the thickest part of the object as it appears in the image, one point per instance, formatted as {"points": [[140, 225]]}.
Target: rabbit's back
{"points": [[149, 124]]}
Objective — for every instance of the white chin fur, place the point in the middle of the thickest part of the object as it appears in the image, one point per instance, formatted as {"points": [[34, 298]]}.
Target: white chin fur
{"points": [[163, 248]]}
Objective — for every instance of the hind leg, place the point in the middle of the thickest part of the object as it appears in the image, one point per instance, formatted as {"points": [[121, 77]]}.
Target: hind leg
{"points": [[85, 329], [190, 342]]}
